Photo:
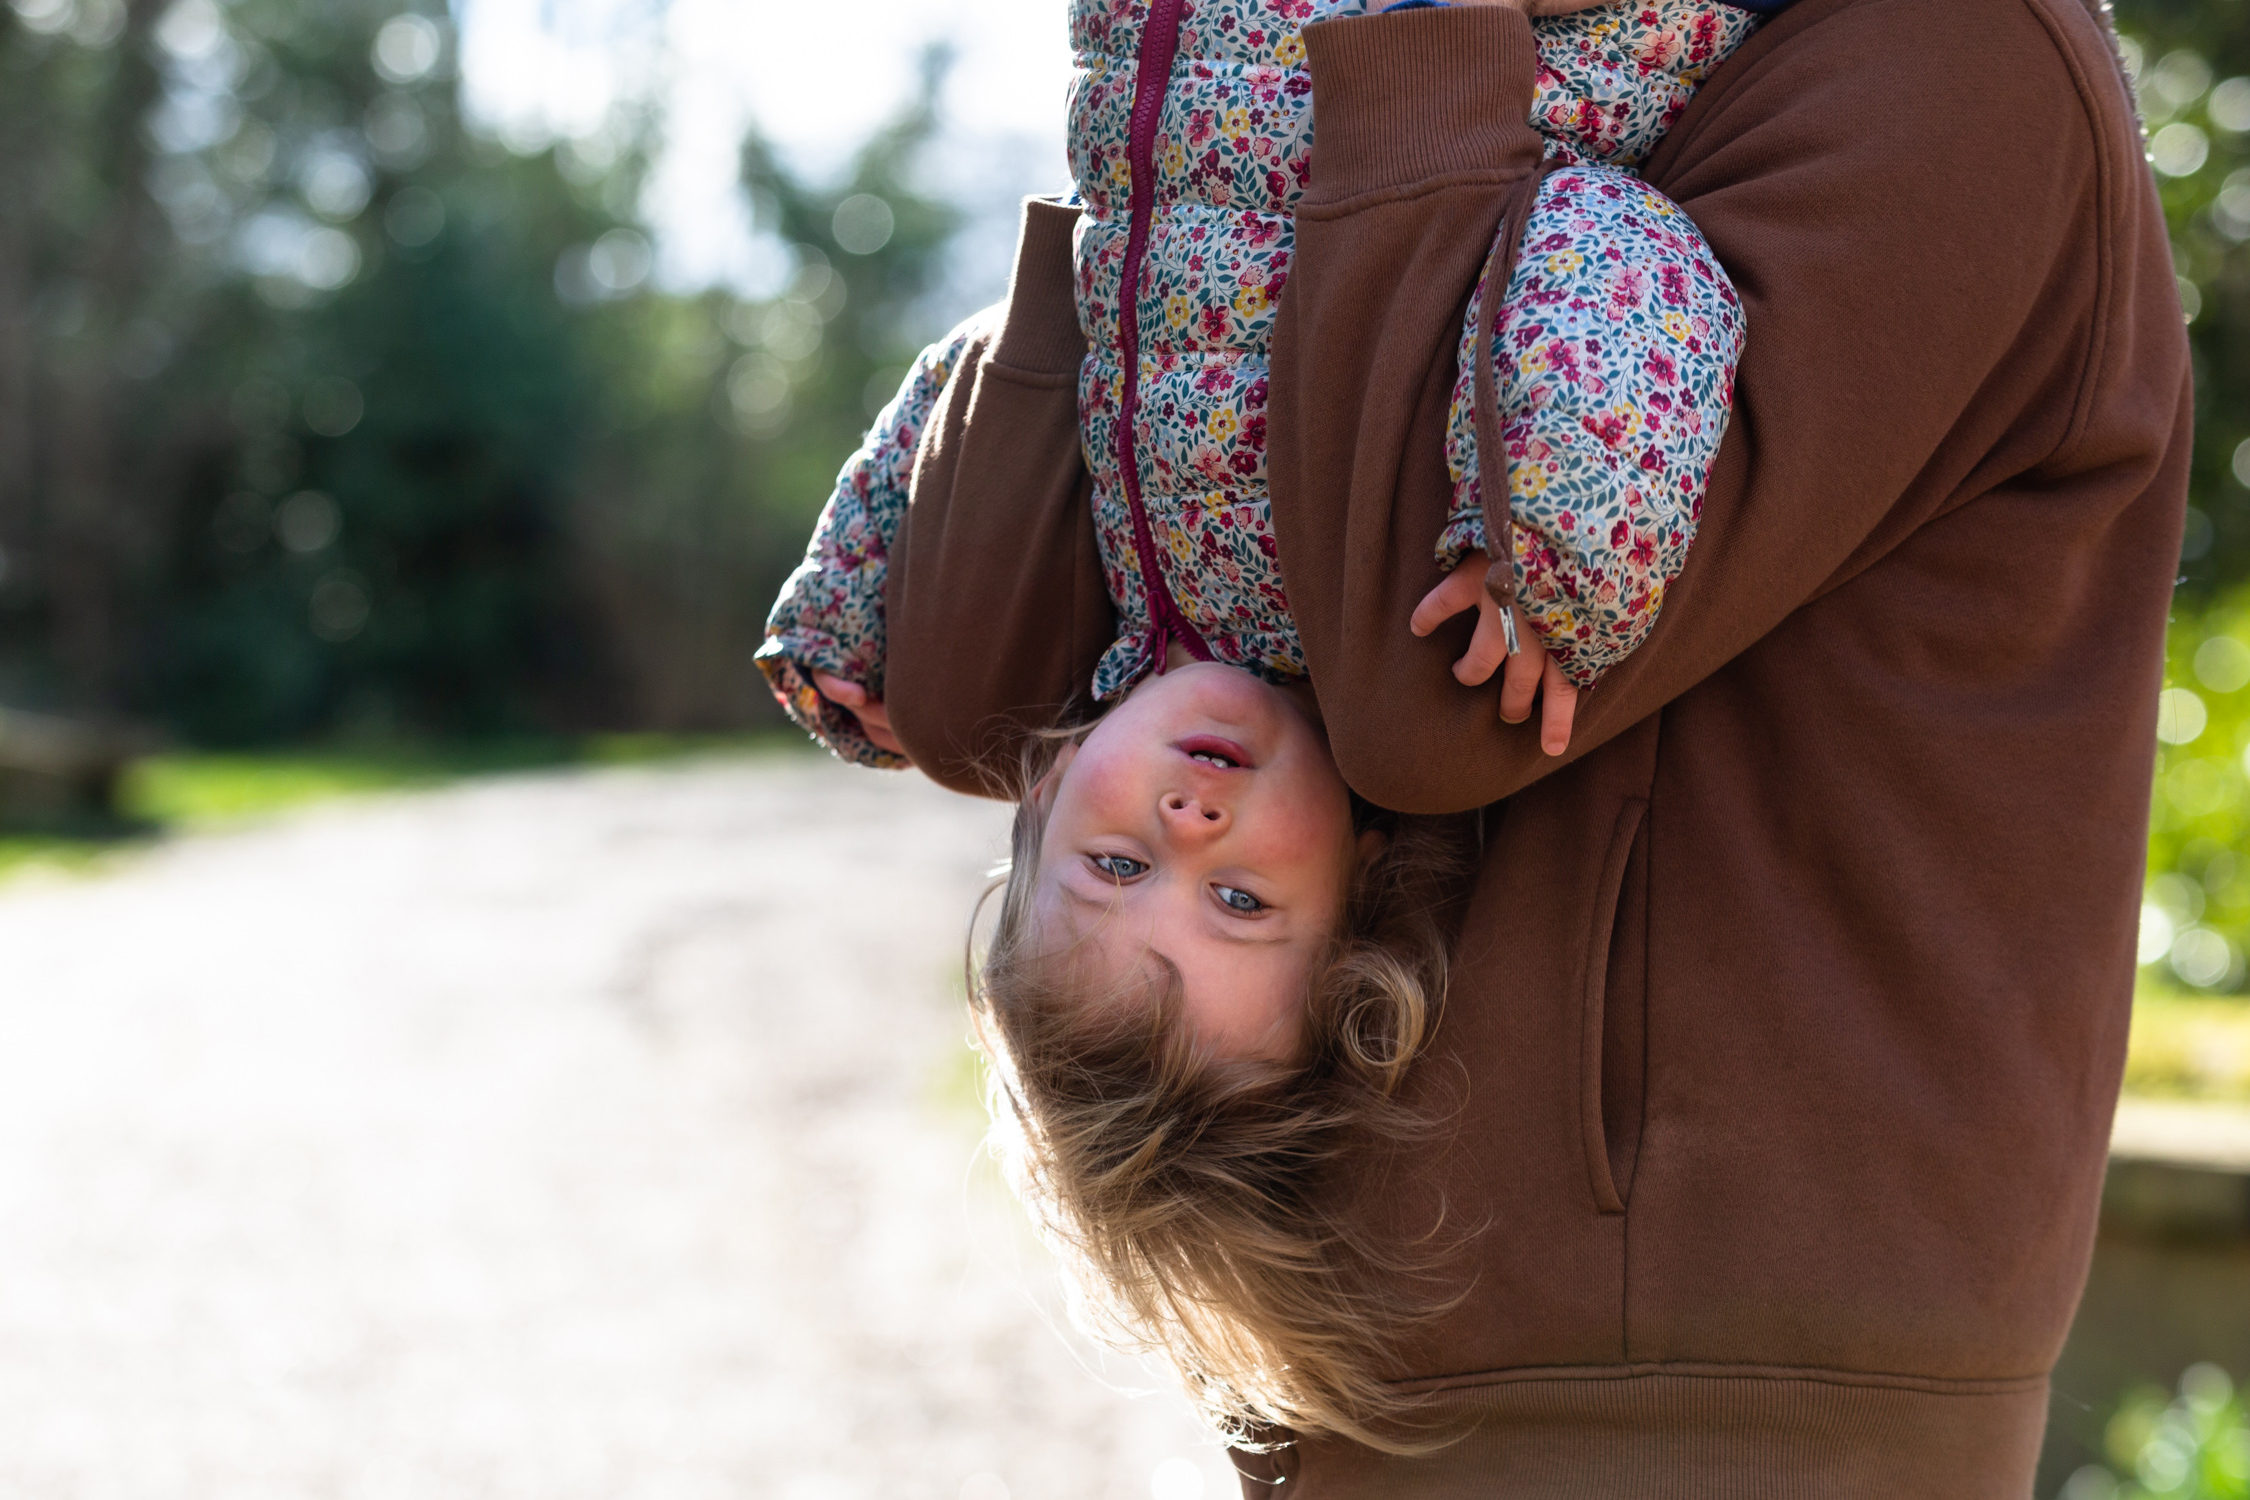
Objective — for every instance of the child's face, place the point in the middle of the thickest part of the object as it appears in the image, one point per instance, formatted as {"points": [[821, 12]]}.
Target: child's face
{"points": [[1202, 821]]}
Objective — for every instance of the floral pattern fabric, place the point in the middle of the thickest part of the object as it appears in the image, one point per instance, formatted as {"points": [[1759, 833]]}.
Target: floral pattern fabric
{"points": [[1232, 154], [1611, 416], [1616, 345], [829, 616], [1232, 157]]}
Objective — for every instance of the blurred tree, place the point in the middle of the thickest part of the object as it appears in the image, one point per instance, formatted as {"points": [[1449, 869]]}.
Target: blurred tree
{"points": [[2190, 60], [2191, 64], [320, 412], [80, 282], [691, 538]]}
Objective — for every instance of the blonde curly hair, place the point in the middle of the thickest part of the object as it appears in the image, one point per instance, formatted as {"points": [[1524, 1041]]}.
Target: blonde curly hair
{"points": [[1191, 1197]]}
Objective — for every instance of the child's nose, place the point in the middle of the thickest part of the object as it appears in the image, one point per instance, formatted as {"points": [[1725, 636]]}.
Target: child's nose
{"points": [[1191, 818]]}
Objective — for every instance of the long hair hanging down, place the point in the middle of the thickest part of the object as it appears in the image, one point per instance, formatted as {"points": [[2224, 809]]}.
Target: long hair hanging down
{"points": [[1192, 1198]]}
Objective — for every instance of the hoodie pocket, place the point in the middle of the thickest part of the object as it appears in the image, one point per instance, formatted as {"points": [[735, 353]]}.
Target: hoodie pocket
{"points": [[1612, 1046]]}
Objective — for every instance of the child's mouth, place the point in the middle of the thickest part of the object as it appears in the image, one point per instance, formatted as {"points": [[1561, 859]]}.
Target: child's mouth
{"points": [[1212, 750]]}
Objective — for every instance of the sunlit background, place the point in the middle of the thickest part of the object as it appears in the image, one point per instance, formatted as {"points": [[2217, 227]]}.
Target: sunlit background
{"points": [[427, 403]]}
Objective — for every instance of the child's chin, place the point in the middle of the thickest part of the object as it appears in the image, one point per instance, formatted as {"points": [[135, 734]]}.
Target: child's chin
{"points": [[1217, 683]]}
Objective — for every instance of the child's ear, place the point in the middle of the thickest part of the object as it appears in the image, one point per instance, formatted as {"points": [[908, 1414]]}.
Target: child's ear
{"points": [[1370, 846], [1043, 793]]}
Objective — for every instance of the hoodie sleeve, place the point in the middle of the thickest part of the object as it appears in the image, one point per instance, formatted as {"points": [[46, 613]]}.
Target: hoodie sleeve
{"points": [[1614, 356], [1942, 307], [829, 616]]}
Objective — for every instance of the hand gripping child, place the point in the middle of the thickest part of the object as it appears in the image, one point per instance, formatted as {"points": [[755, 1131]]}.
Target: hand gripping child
{"points": [[1212, 963]]}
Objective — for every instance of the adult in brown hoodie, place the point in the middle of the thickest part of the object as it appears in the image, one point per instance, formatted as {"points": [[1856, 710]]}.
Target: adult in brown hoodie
{"points": [[1791, 1003]]}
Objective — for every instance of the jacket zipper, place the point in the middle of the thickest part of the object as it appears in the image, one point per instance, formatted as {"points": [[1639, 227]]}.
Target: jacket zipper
{"points": [[1160, 43]]}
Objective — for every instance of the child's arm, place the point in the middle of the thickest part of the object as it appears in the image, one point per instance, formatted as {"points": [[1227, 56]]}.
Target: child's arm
{"points": [[824, 648], [1614, 356]]}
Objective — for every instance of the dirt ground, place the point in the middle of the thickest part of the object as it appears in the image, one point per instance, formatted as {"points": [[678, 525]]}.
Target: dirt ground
{"points": [[592, 1135]]}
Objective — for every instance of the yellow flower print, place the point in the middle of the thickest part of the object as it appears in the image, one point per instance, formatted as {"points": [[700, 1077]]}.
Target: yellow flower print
{"points": [[1223, 423], [1237, 122], [1251, 301], [1562, 263], [1527, 480], [1120, 174], [1290, 50], [1676, 324], [1181, 547], [1175, 159], [1177, 310]]}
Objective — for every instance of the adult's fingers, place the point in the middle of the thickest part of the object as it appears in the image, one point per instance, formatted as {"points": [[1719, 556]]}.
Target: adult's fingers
{"points": [[880, 734], [1459, 590], [874, 719], [1558, 707], [1520, 682], [1488, 646], [836, 690], [873, 716]]}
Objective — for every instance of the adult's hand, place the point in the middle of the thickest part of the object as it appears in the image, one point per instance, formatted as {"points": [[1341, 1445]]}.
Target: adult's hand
{"points": [[874, 719], [1528, 672]]}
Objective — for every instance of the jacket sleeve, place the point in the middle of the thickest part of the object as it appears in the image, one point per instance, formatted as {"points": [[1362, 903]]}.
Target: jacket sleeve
{"points": [[1614, 355], [997, 605], [1892, 275], [829, 616]]}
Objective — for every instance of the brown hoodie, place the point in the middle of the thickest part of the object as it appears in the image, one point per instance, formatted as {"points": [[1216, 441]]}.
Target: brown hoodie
{"points": [[1791, 1004]]}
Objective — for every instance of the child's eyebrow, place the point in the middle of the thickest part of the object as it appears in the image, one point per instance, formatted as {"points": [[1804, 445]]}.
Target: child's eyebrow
{"points": [[1231, 932]]}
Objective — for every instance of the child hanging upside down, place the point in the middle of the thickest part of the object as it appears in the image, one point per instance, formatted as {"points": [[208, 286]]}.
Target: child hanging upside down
{"points": [[1212, 963]]}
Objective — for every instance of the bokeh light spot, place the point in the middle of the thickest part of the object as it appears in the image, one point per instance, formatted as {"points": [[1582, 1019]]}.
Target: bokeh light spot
{"points": [[307, 521], [333, 406], [406, 49], [2222, 664], [2180, 716], [2179, 149], [863, 224]]}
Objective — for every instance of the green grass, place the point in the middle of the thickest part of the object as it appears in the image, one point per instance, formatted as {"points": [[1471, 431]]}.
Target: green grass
{"points": [[193, 791]]}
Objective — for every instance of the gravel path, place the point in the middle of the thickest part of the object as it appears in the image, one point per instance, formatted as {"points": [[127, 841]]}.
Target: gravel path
{"points": [[595, 1135]]}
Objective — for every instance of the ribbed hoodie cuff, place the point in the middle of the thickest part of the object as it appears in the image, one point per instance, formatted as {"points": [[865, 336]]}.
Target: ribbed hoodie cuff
{"points": [[1039, 332], [1417, 94]]}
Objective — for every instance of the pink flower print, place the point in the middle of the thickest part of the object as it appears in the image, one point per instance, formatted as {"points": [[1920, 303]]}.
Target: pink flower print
{"points": [[1608, 426], [1675, 285], [1662, 369], [1563, 359], [1626, 290]]}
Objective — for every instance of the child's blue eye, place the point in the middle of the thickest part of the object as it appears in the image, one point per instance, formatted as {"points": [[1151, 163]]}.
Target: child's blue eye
{"points": [[1239, 900], [1118, 866]]}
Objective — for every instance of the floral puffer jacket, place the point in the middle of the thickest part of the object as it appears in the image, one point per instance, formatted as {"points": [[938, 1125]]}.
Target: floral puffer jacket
{"points": [[1615, 348]]}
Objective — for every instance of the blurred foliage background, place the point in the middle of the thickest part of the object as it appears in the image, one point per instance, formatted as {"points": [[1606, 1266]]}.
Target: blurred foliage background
{"points": [[328, 420], [2191, 64], [324, 416]]}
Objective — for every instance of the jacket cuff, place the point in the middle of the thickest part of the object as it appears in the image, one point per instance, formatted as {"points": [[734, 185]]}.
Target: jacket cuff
{"points": [[1039, 331], [1405, 97]]}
